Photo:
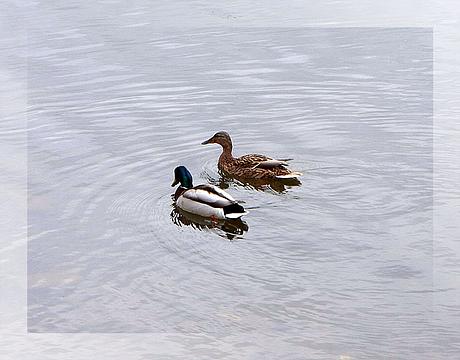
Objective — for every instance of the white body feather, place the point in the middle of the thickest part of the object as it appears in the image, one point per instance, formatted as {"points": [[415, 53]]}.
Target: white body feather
{"points": [[200, 208], [207, 201], [270, 163], [293, 175]]}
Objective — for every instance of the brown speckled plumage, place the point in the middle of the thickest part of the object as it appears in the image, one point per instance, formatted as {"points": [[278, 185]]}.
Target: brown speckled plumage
{"points": [[251, 166]]}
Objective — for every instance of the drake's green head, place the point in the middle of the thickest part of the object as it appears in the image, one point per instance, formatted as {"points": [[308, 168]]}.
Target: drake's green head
{"points": [[182, 176]]}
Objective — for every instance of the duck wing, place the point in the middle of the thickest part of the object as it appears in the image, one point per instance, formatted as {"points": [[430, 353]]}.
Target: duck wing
{"points": [[260, 161], [209, 195]]}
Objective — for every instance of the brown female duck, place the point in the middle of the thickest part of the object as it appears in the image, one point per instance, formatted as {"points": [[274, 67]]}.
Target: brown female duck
{"points": [[251, 166]]}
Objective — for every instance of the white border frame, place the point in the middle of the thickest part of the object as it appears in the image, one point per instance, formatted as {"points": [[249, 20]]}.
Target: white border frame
{"points": [[16, 343]]}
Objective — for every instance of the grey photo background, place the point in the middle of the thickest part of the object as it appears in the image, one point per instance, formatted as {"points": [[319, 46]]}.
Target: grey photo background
{"points": [[424, 298]]}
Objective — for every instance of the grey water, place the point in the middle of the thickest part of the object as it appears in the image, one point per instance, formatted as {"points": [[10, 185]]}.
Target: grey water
{"points": [[341, 264]]}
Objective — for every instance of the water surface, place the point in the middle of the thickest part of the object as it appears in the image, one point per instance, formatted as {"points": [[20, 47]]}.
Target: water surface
{"points": [[343, 261]]}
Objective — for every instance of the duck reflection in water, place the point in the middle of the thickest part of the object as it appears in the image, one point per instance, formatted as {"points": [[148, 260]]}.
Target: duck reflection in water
{"points": [[279, 186], [230, 228]]}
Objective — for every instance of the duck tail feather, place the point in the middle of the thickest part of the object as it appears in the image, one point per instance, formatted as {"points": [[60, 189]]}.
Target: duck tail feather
{"points": [[292, 175], [234, 211]]}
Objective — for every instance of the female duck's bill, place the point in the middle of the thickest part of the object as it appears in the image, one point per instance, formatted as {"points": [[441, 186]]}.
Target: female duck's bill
{"points": [[204, 200]]}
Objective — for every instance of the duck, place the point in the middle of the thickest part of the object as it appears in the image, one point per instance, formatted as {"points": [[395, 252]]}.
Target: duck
{"points": [[250, 166], [204, 200]]}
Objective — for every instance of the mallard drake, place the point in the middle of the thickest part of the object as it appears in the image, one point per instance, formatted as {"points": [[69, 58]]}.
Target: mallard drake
{"points": [[251, 166], [204, 200]]}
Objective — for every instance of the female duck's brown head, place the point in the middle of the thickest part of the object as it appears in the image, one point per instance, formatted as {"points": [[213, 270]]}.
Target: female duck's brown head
{"points": [[222, 138]]}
